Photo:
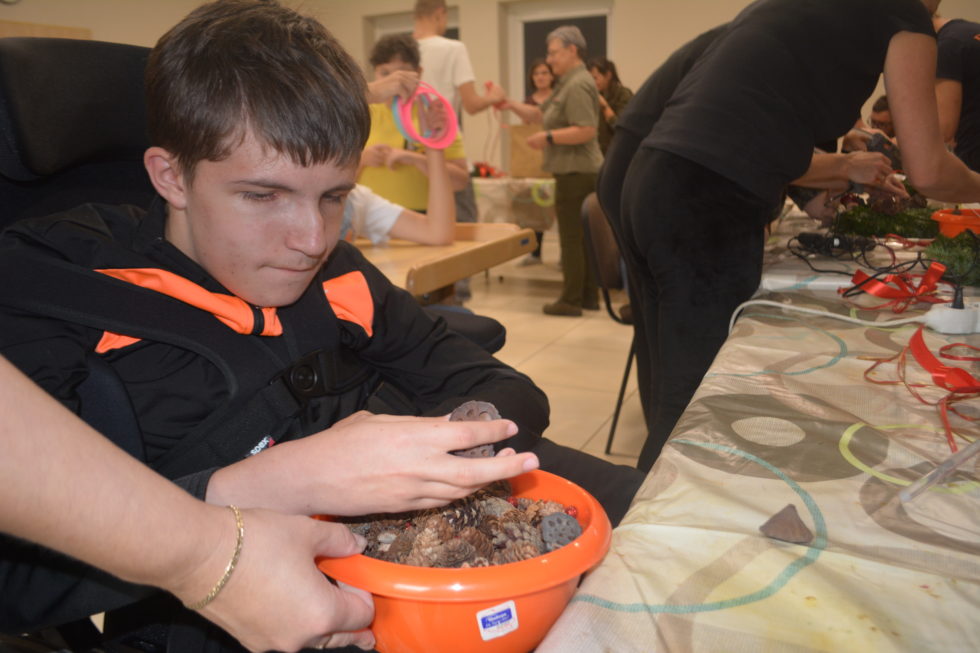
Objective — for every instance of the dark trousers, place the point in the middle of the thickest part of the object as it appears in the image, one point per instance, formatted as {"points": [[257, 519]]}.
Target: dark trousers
{"points": [[578, 285], [693, 243]]}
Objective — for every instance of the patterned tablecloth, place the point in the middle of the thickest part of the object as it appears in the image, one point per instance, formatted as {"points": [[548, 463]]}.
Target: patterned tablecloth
{"points": [[785, 416]]}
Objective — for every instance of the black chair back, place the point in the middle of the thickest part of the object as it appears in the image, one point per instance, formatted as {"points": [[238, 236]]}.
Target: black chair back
{"points": [[72, 125]]}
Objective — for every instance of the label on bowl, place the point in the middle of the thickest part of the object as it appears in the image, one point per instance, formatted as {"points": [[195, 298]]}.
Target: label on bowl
{"points": [[497, 621]]}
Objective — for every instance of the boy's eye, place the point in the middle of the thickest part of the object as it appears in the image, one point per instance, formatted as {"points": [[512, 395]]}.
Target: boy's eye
{"points": [[258, 197]]}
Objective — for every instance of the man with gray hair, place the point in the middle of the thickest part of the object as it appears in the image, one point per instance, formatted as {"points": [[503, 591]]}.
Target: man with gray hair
{"points": [[570, 117]]}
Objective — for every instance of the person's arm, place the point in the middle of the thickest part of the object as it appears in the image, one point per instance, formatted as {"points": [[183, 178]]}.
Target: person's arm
{"points": [[473, 102], [371, 463], [98, 504], [610, 109], [910, 79], [836, 171], [400, 82], [456, 168], [572, 135], [437, 226], [949, 103], [528, 113]]}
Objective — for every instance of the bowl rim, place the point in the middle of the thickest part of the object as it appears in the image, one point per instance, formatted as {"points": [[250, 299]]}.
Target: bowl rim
{"points": [[510, 580]]}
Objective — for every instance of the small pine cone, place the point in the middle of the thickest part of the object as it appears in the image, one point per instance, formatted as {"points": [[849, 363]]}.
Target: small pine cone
{"points": [[489, 526], [402, 546], [518, 531], [482, 545], [495, 506], [478, 561], [515, 552], [462, 513], [455, 552], [444, 530], [422, 553], [541, 509], [523, 503], [428, 556], [501, 489], [514, 516]]}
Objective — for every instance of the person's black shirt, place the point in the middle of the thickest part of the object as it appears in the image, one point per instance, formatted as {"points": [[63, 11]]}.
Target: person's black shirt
{"points": [[772, 86]]}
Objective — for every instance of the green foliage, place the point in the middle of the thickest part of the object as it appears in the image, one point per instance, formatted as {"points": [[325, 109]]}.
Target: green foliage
{"points": [[865, 221], [959, 255]]}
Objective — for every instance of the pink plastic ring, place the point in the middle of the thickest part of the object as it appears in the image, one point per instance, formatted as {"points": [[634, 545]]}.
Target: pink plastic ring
{"points": [[403, 112]]}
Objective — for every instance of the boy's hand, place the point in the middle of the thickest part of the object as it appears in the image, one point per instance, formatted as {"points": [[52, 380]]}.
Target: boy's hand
{"points": [[383, 463], [400, 82], [375, 155]]}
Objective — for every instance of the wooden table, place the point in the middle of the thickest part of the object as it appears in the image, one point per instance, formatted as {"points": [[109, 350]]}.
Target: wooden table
{"points": [[425, 269]]}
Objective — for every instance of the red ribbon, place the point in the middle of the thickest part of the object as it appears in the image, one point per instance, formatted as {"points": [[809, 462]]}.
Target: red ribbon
{"points": [[905, 292], [954, 379]]}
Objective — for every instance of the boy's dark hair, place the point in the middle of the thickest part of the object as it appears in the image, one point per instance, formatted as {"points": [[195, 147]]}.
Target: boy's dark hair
{"points": [[396, 46], [881, 104], [237, 65]]}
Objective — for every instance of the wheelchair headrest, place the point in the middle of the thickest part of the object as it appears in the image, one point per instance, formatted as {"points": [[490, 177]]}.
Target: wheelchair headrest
{"points": [[64, 102]]}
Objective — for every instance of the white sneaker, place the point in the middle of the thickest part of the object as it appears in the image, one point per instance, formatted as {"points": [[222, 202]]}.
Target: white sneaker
{"points": [[530, 259]]}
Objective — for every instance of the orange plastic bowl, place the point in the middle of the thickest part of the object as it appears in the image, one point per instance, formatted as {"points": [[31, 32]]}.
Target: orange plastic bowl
{"points": [[499, 609], [952, 222]]}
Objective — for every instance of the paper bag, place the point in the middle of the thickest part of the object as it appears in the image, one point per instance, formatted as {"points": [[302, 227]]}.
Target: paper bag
{"points": [[524, 161]]}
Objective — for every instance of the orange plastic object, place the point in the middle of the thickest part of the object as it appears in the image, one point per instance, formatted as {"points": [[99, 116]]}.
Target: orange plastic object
{"points": [[952, 222], [499, 609]]}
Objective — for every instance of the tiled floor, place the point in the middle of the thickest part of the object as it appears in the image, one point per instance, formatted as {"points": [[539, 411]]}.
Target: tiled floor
{"points": [[578, 362]]}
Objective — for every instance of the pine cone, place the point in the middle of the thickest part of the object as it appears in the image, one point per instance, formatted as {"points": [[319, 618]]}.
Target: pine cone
{"points": [[455, 552], [478, 561], [462, 513], [424, 551], [443, 529], [518, 531], [482, 545], [494, 507], [402, 546], [501, 489], [541, 509], [515, 552]]}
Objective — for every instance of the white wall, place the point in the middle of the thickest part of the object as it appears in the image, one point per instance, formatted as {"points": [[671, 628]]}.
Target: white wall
{"points": [[642, 33]]}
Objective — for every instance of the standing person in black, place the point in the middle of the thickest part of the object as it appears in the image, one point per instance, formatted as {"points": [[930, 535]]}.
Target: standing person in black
{"points": [[958, 86], [740, 126], [636, 121]]}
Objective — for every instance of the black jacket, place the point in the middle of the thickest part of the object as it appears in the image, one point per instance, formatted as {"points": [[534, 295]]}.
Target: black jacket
{"points": [[205, 395]]}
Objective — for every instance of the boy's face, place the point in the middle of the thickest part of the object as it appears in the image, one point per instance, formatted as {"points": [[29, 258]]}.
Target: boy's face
{"points": [[259, 223], [396, 64]]}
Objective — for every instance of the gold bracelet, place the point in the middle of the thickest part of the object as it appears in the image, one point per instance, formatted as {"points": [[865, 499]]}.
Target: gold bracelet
{"points": [[240, 523]]}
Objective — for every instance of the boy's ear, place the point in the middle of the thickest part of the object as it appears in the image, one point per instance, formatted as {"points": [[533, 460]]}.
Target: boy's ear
{"points": [[166, 177]]}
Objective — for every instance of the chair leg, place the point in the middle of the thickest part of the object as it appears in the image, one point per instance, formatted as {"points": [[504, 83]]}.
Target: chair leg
{"points": [[622, 393]]}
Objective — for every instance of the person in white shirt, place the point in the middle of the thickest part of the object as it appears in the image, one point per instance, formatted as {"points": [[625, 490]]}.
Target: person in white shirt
{"points": [[368, 215], [446, 62]]}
